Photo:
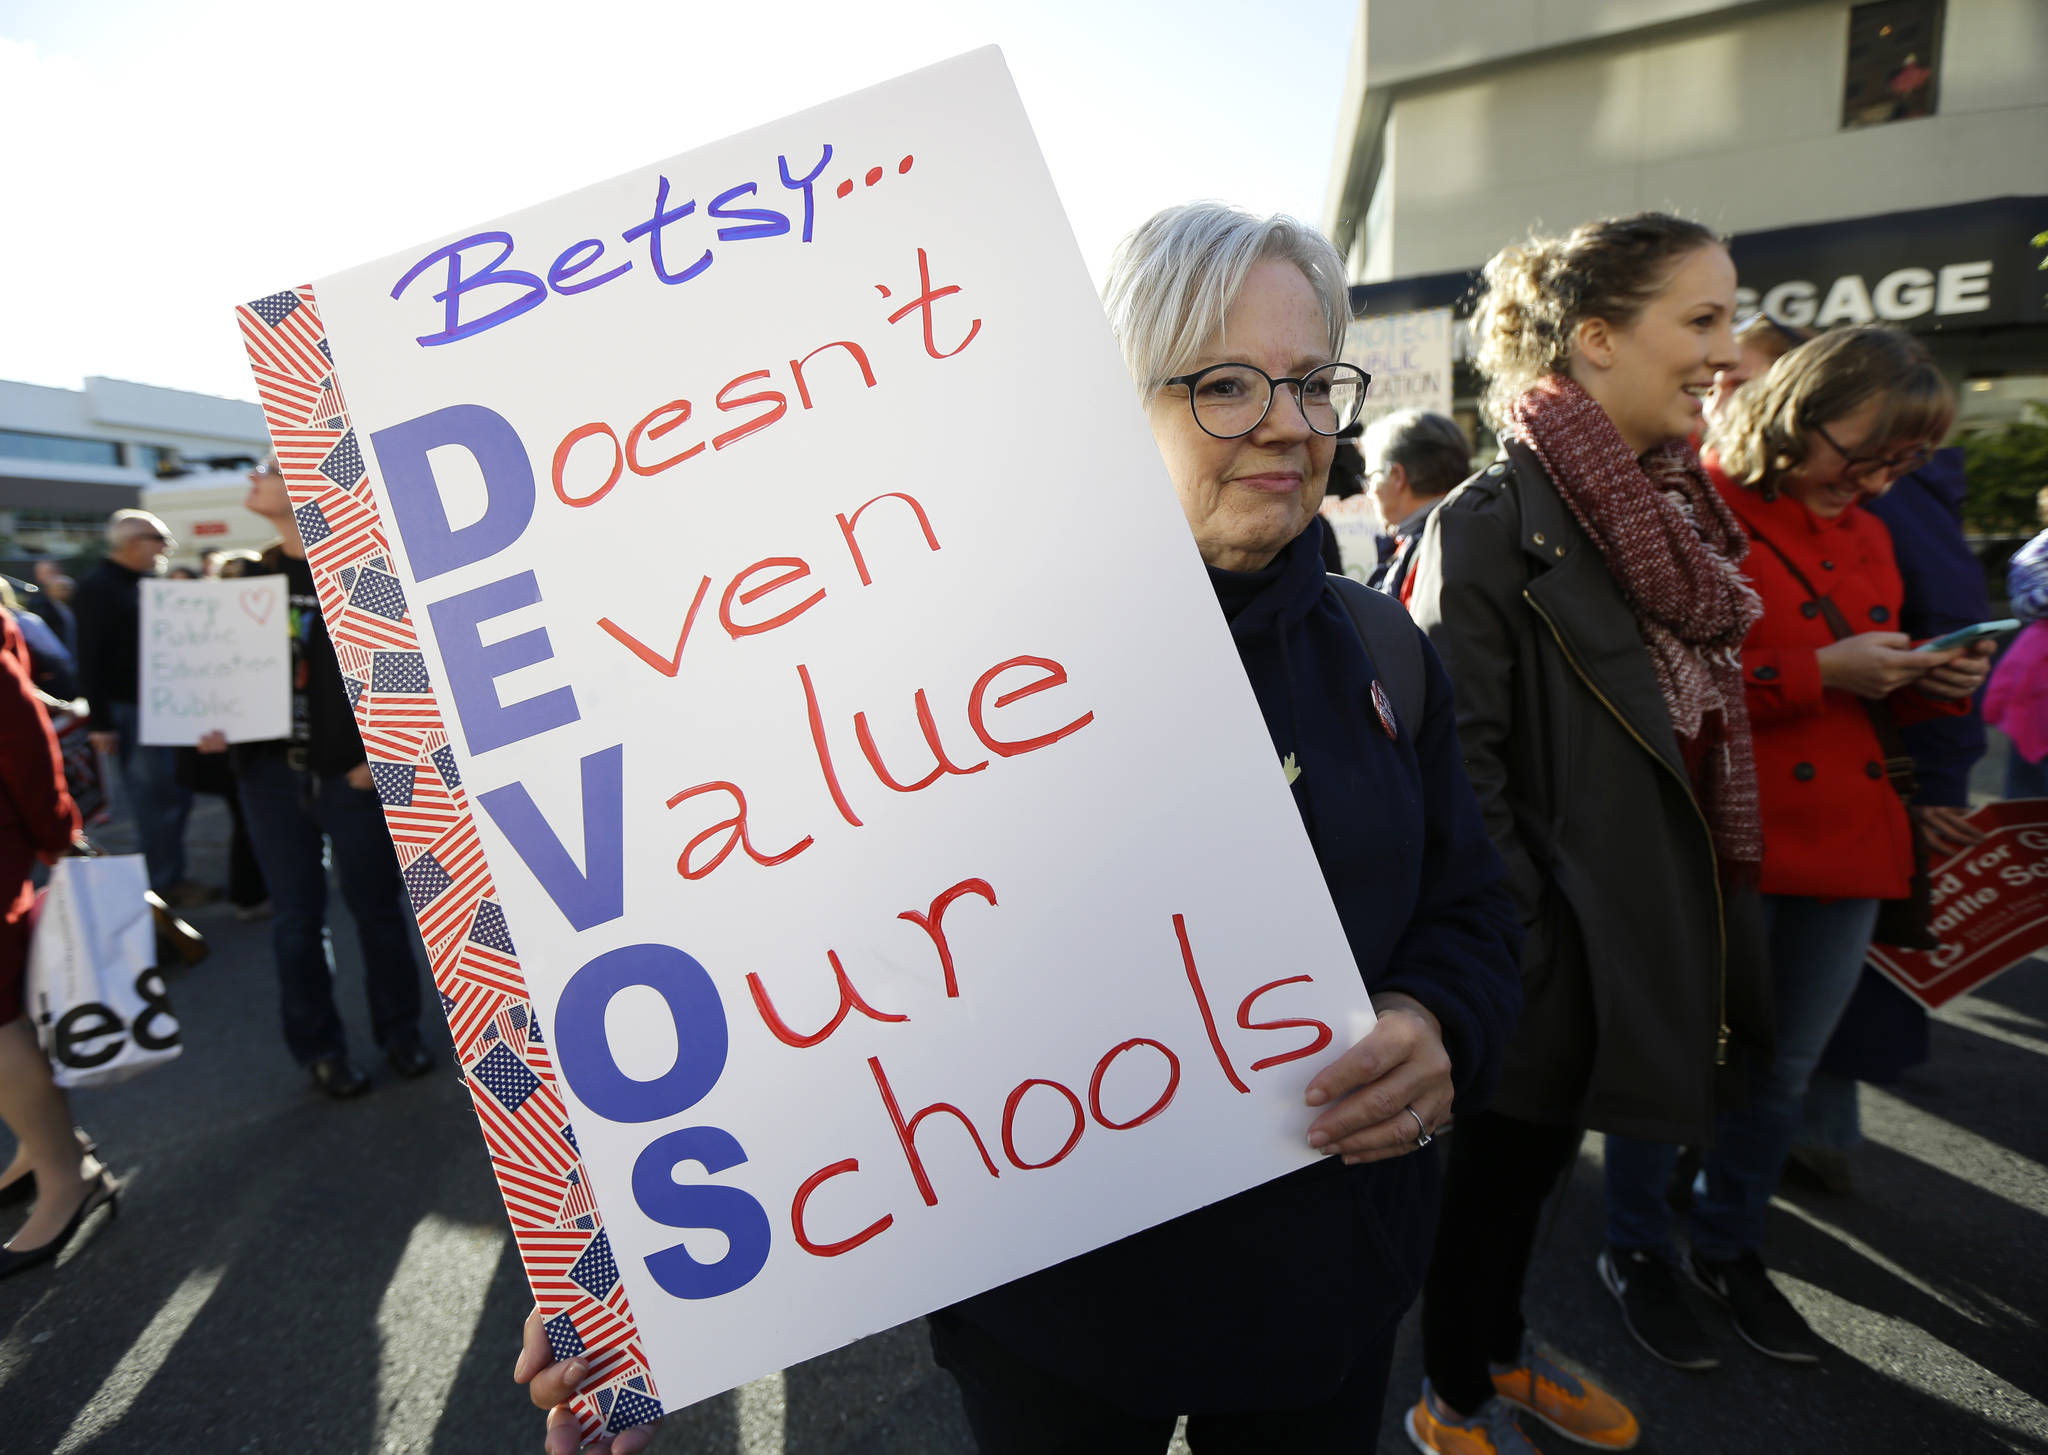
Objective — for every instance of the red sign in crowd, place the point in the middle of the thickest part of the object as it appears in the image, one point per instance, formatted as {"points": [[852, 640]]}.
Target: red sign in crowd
{"points": [[1990, 907]]}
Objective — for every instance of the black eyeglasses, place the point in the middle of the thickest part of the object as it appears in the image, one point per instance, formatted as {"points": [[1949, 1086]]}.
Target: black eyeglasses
{"points": [[1232, 400], [1904, 464]]}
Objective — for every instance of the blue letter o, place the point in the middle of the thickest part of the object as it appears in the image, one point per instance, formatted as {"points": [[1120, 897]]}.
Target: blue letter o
{"points": [[585, 1054]]}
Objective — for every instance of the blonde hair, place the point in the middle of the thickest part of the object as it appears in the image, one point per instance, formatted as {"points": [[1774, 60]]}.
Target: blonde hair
{"points": [[1538, 292], [1766, 433], [1172, 282]]}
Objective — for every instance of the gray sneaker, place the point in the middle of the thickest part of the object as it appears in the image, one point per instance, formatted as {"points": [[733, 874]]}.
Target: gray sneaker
{"points": [[1433, 1430]]}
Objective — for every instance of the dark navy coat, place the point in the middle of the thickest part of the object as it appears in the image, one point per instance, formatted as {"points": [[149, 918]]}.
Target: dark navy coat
{"points": [[1884, 1031], [1944, 591], [1266, 1300]]}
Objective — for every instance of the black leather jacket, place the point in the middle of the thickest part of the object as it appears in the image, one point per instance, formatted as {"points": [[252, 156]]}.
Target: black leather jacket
{"points": [[1643, 970]]}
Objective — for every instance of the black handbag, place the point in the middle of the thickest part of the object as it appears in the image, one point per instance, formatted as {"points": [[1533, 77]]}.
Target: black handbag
{"points": [[1906, 923]]}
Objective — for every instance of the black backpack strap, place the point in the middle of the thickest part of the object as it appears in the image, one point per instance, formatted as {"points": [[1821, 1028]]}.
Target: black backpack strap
{"points": [[1392, 641]]}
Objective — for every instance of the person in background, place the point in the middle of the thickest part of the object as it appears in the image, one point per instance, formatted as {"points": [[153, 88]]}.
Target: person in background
{"points": [[51, 665], [53, 603], [109, 610], [1413, 458], [1268, 1318], [1760, 341], [51, 1167], [213, 773], [2016, 703], [181, 573], [1585, 594], [304, 797], [1833, 424], [1883, 1032]]}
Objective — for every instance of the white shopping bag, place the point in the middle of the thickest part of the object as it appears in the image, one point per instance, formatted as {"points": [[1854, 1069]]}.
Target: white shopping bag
{"points": [[99, 1004]]}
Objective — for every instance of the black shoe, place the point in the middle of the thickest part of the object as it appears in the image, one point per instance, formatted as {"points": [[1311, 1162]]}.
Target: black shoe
{"points": [[104, 1192], [1825, 1169], [1654, 1309], [1763, 1316], [409, 1059], [339, 1077], [23, 1188]]}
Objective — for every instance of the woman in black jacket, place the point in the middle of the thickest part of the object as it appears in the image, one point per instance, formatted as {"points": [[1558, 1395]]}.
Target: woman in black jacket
{"points": [[1268, 1318], [1584, 595]]}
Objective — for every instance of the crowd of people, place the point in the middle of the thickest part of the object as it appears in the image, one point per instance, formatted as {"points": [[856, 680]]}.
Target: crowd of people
{"points": [[1613, 864], [1614, 772], [297, 806]]}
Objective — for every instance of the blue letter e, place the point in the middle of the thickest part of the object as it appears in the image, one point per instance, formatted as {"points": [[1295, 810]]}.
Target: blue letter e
{"points": [[433, 545]]}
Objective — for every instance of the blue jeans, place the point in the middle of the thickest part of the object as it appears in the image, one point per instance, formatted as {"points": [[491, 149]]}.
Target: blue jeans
{"points": [[2024, 779], [289, 813], [1816, 956], [156, 801], [1833, 1117]]}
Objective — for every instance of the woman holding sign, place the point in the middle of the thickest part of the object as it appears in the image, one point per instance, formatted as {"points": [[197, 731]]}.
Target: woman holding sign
{"points": [[1268, 1318]]}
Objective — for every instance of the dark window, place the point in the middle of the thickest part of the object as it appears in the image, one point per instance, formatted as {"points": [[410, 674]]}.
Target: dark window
{"points": [[24, 446], [1894, 62], [59, 522]]}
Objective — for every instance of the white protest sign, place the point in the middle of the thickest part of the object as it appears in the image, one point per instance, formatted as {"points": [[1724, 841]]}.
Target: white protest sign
{"points": [[905, 884], [1355, 523], [1409, 358], [214, 658]]}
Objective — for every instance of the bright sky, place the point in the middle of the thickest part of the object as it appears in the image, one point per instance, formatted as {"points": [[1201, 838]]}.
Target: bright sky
{"points": [[167, 159]]}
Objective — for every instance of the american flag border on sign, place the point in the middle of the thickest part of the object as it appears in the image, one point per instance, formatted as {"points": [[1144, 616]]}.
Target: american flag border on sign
{"points": [[555, 1221]]}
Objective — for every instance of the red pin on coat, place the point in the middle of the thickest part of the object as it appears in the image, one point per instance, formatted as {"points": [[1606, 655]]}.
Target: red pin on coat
{"points": [[1389, 724]]}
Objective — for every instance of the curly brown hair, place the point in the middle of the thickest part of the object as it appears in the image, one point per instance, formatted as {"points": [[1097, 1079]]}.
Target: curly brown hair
{"points": [[1538, 292]]}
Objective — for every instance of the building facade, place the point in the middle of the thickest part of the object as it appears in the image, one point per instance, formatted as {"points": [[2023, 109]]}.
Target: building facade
{"points": [[1871, 162], [71, 457]]}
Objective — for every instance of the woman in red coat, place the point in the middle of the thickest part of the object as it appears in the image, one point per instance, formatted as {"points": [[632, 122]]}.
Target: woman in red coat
{"points": [[1833, 423], [37, 820]]}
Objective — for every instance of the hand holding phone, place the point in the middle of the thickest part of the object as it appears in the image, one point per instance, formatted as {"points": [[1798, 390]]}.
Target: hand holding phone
{"points": [[1969, 635]]}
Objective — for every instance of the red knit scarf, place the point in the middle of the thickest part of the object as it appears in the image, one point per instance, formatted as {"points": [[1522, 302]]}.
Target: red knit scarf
{"points": [[1672, 545]]}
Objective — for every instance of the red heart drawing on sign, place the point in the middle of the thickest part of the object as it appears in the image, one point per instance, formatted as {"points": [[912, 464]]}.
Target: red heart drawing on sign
{"points": [[256, 605]]}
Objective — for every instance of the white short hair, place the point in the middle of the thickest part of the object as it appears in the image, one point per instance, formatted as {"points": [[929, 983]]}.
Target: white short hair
{"points": [[124, 526], [1173, 281]]}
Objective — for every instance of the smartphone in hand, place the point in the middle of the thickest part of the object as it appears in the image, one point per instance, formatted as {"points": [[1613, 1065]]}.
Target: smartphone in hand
{"points": [[1981, 631]]}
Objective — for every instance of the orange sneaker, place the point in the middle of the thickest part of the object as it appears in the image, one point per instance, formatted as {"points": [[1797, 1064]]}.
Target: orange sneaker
{"points": [[1570, 1404], [1491, 1431]]}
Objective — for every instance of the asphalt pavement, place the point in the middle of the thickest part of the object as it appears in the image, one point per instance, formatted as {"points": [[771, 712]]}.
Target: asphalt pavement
{"points": [[290, 1274]]}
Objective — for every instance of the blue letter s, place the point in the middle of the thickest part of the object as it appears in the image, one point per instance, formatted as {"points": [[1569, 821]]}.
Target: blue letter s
{"points": [[700, 1205]]}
